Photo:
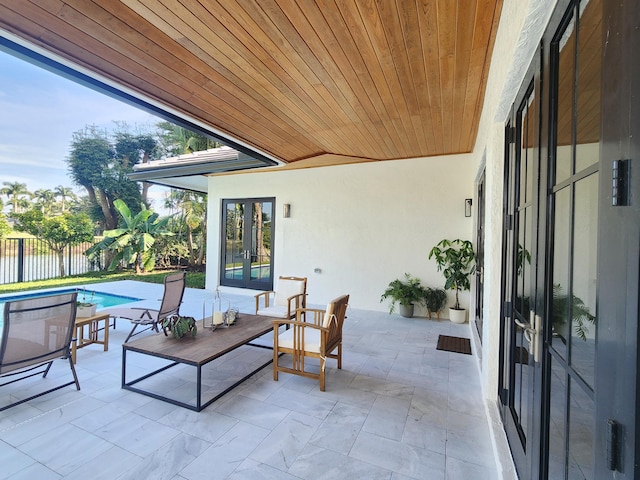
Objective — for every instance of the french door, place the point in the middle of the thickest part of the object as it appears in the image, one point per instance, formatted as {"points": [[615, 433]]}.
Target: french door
{"points": [[247, 243], [571, 250], [480, 256]]}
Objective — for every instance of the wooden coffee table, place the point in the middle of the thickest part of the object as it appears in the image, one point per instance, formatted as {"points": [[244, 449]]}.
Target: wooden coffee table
{"points": [[196, 351], [93, 325]]}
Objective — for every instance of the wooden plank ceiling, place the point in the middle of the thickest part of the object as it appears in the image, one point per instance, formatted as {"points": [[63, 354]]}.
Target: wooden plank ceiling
{"points": [[314, 82]]}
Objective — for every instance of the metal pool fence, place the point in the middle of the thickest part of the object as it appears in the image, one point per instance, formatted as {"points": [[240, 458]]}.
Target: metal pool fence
{"points": [[28, 259]]}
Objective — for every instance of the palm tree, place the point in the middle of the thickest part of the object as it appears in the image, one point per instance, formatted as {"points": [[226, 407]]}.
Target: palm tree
{"points": [[64, 193], [44, 200], [14, 191], [133, 241]]}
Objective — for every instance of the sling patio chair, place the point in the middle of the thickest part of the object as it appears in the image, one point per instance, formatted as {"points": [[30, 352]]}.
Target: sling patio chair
{"points": [[35, 332], [290, 294], [313, 334], [174, 285]]}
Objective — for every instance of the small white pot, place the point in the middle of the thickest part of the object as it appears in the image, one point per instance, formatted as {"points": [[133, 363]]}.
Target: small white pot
{"points": [[86, 310], [457, 316]]}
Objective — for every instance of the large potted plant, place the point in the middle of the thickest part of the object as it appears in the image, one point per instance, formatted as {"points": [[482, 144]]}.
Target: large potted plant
{"points": [[456, 261], [405, 293]]}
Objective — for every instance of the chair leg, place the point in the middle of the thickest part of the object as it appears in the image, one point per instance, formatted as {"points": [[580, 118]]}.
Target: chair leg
{"points": [[46, 370], [275, 365], [135, 325], [73, 370], [340, 356], [323, 364]]}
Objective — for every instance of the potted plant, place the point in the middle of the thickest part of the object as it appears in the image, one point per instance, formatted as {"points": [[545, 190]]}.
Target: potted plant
{"points": [[434, 299], [405, 293], [456, 261], [84, 307], [179, 326]]}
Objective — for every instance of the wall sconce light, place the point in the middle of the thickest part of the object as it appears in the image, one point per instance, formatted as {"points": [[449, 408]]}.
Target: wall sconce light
{"points": [[286, 210], [467, 207]]}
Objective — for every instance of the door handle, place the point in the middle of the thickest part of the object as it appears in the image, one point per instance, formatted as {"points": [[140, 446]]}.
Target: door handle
{"points": [[532, 332]]}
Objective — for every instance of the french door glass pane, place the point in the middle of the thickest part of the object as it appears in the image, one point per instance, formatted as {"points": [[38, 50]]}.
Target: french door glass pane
{"points": [[561, 264], [261, 241], [234, 232], [566, 80], [581, 434], [583, 300], [557, 421]]}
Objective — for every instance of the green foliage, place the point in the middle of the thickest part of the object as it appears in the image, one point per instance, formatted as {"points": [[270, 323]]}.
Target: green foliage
{"points": [[132, 243], [193, 280], [179, 326], [434, 299], [5, 229], [57, 231], [456, 261], [564, 308], [404, 292]]}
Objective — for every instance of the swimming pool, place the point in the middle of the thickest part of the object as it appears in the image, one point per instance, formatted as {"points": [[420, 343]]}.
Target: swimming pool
{"points": [[102, 299]]}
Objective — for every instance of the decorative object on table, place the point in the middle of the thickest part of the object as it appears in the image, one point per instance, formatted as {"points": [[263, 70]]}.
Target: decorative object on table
{"points": [[85, 307], [231, 316], [405, 293], [219, 309], [179, 326], [456, 260]]}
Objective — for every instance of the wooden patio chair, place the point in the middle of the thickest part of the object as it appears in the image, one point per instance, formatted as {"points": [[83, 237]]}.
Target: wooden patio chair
{"points": [[35, 332], [315, 334], [290, 294], [174, 286]]}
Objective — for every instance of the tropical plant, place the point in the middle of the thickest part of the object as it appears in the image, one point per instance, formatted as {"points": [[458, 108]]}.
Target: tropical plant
{"points": [[15, 192], [133, 241], [58, 232], [435, 300], [64, 193], [563, 309], [405, 292], [456, 260], [179, 326]]}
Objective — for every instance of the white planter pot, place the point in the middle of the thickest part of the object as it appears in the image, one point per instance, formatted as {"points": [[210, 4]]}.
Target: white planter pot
{"points": [[86, 311], [457, 316]]}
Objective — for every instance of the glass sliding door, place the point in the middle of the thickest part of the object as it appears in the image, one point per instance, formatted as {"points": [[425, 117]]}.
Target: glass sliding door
{"points": [[247, 243]]}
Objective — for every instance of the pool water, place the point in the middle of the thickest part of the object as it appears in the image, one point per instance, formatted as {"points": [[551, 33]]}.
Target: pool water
{"points": [[102, 299]]}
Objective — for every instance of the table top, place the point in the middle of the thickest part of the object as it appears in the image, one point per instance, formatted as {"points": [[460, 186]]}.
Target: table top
{"points": [[97, 316], [206, 345]]}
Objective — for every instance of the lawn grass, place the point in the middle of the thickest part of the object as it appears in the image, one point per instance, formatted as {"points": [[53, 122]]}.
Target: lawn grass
{"points": [[194, 280]]}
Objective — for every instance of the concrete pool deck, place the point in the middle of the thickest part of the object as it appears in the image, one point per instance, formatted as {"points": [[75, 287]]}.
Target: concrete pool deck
{"points": [[398, 409]]}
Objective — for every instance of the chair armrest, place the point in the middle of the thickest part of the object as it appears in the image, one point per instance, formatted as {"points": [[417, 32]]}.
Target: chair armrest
{"points": [[296, 302], [266, 299]]}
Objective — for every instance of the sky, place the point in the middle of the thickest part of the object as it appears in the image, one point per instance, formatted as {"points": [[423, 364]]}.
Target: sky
{"points": [[39, 112]]}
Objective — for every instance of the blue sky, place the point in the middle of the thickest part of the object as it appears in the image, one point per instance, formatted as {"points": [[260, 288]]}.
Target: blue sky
{"points": [[39, 112]]}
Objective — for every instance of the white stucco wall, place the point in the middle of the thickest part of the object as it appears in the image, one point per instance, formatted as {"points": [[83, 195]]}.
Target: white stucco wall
{"points": [[363, 225]]}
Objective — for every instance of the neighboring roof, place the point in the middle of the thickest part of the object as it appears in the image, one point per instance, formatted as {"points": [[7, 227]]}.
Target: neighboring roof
{"points": [[189, 171], [310, 82]]}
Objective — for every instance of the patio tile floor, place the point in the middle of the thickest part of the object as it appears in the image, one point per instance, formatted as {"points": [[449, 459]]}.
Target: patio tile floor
{"points": [[399, 409]]}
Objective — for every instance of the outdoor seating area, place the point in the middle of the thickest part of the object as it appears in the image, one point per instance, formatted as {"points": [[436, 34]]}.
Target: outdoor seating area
{"points": [[398, 408]]}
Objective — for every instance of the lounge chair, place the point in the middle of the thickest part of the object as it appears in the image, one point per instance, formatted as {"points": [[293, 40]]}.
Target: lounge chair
{"points": [[36, 331], [290, 294], [174, 285], [317, 338]]}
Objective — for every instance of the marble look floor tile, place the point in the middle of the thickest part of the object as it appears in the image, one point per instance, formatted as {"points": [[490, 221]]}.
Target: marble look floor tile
{"points": [[226, 454], [461, 470], [253, 411], [387, 417], [306, 404], [399, 457], [252, 470], [339, 430], [209, 426], [12, 460], [137, 434], [35, 471], [108, 465], [281, 447], [382, 386], [315, 463], [166, 462], [65, 448]]}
